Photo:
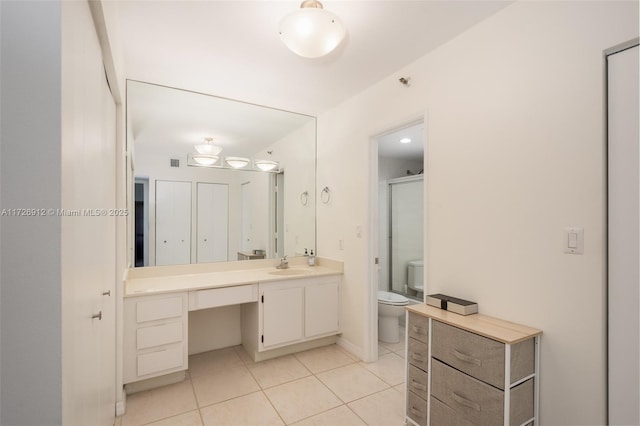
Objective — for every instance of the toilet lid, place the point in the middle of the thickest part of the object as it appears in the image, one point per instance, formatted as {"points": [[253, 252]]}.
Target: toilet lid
{"points": [[392, 298]]}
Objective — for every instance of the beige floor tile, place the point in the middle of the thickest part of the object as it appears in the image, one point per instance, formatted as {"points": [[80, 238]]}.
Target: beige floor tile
{"points": [[192, 418], [244, 356], [389, 367], [341, 416], [277, 371], [384, 408], [206, 362], [301, 399], [382, 349], [253, 409], [394, 347], [352, 382], [161, 403], [220, 385], [324, 358], [400, 388]]}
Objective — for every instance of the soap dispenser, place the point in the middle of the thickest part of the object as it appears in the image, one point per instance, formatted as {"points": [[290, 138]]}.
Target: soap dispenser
{"points": [[312, 259]]}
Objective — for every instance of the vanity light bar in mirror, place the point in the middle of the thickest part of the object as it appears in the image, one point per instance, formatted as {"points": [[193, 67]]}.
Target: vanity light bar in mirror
{"points": [[203, 160]]}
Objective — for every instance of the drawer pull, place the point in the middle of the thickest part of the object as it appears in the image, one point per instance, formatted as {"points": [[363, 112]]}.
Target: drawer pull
{"points": [[418, 330], [418, 385], [466, 358], [416, 356], [464, 401], [416, 412]]}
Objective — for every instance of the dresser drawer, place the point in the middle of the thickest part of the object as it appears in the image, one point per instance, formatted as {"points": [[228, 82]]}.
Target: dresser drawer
{"points": [[481, 357], [418, 354], [163, 360], [418, 327], [156, 335], [443, 415], [418, 382], [214, 297], [478, 402], [151, 310], [417, 409]]}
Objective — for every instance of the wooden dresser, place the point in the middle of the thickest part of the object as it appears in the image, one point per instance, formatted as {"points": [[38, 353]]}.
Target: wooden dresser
{"points": [[470, 370]]}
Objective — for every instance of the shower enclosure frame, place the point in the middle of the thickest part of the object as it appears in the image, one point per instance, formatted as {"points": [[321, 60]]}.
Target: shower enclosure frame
{"points": [[390, 234]]}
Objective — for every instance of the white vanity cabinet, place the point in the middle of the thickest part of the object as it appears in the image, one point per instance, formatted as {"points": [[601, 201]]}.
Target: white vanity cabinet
{"points": [[292, 311], [155, 335]]}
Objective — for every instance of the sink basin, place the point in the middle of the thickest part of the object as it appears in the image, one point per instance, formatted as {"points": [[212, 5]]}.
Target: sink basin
{"points": [[290, 272]]}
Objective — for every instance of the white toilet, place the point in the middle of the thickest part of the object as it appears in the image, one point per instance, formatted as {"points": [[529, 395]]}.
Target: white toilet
{"points": [[390, 308], [415, 276]]}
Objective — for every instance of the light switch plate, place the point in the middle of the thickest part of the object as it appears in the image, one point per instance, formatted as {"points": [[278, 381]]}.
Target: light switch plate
{"points": [[573, 240]]}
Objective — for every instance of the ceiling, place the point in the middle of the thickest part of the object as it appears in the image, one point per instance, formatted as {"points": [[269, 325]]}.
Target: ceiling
{"points": [[172, 121], [231, 48]]}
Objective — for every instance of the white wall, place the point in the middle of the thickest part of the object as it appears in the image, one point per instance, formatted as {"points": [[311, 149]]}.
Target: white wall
{"points": [[31, 347], [515, 142]]}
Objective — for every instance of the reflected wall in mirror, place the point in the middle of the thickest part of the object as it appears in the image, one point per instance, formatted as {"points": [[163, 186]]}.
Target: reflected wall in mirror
{"points": [[185, 212]]}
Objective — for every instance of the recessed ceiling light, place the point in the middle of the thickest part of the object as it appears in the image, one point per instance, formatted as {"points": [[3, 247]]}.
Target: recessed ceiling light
{"points": [[405, 140]]}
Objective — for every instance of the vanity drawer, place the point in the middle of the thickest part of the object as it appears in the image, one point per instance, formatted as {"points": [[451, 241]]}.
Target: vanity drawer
{"points": [[212, 298], [417, 409], [419, 327], [479, 356], [156, 335], [418, 354], [162, 360], [151, 310], [478, 402], [418, 382]]}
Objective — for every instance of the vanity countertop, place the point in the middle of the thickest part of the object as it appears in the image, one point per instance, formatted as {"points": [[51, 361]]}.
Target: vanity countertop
{"points": [[144, 281]]}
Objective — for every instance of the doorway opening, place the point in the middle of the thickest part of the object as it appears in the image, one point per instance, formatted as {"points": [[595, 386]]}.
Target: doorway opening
{"points": [[141, 222], [397, 227], [400, 211]]}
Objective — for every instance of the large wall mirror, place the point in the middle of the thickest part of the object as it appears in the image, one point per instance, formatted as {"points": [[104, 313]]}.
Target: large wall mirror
{"points": [[217, 179]]}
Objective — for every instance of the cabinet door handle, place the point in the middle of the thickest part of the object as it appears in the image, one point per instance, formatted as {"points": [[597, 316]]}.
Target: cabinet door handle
{"points": [[466, 358], [98, 316], [106, 293], [464, 401], [418, 385]]}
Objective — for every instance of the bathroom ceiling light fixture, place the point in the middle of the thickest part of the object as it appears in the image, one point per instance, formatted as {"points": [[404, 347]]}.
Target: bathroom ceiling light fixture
{"points": [[208, 147], [237, 162], [405, 140], [311, 31], [266, 165]]}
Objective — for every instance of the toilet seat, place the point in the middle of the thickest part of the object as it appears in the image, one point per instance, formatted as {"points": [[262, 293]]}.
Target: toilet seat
{"points": [[394, 299]]}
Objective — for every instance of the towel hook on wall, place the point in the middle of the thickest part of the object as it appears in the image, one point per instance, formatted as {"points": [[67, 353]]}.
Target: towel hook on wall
{"points": [[325, 195]]}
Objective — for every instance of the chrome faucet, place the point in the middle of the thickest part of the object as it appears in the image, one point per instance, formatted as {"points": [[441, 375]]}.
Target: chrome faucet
{"points": [[284, 263]]}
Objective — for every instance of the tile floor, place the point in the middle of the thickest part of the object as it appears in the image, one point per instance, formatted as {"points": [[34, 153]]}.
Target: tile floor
{"points": [[324, 386]]}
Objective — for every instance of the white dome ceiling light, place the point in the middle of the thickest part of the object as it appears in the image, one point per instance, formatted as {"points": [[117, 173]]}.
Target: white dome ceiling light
{"points": [[208, 147], [311, 31]]}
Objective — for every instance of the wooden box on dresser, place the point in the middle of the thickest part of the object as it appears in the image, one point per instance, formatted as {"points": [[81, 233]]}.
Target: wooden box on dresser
{"points": [[470, 370]]}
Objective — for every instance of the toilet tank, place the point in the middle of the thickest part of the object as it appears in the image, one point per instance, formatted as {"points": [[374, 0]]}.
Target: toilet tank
{"points": [[415, 273]]}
